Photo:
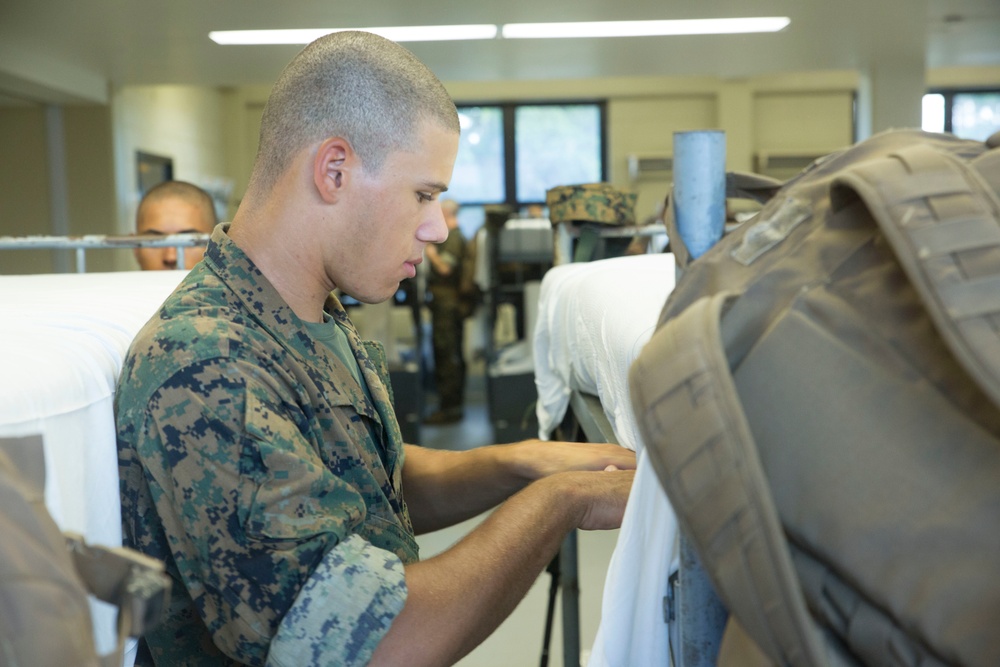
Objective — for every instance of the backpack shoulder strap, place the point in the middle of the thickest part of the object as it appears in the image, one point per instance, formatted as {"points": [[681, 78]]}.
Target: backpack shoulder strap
{"points": [[46, 616], [46, 575], [943, 222], [701, 447]]}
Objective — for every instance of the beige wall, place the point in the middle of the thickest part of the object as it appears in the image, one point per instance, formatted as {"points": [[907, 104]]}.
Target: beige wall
{"points": [[91, 185], [644, 126], [644, 112], [246, 106], [24, 192], [25, 204]]}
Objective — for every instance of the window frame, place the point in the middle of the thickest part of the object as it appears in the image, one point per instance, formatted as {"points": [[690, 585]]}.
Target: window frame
{"points": [[508, 113], [949, 94]]}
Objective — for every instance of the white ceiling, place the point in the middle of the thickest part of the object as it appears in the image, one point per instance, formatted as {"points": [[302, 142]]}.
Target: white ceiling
{"points": [[73, 44]]}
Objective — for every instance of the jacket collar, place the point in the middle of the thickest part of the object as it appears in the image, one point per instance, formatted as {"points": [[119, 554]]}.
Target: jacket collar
{"points": [[261, 299]]}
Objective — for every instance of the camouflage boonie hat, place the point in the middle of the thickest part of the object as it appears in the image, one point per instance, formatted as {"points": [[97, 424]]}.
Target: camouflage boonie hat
{"points": [[591, 202]]}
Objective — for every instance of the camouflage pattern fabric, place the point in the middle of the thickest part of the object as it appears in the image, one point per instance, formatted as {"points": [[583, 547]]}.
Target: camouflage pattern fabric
{"points": [[447, 326], [308, 636], [250, 462], [452, 251], [591, 202]]}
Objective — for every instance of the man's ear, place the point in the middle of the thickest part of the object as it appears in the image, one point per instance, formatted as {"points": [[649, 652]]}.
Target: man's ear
{"points": [[332, 167]]}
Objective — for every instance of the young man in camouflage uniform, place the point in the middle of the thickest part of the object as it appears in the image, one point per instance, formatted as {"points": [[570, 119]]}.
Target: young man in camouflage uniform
{"points": [[260, 458]]}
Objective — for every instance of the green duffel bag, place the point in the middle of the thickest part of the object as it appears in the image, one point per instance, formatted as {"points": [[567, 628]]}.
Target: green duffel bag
{"points": [[820, 403]]}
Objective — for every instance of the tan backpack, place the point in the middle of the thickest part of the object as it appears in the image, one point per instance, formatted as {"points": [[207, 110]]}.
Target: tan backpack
{"points": [[820, 402], [46, 576]]}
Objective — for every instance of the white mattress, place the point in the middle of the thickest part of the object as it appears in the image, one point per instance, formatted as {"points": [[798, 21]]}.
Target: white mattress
{"points": [[62, 342], [593, 320]]}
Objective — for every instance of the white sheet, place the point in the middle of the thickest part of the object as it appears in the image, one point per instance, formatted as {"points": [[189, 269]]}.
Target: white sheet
{"points": [[62, 342], [593, 320]]}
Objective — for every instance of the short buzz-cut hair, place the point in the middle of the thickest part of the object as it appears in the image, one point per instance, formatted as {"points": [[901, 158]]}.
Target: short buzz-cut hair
{"points": [[352, 84], [182, 190]]}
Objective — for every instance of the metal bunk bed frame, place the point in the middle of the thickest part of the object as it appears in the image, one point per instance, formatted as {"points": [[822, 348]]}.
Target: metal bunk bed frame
{"points": [[81, 244]]}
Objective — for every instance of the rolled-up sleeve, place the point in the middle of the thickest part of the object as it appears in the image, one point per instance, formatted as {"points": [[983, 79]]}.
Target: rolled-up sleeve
{"points": [[344, 609]]}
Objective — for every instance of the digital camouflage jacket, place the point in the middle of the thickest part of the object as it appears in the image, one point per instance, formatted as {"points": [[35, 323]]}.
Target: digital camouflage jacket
{"points": [[254, 466]]}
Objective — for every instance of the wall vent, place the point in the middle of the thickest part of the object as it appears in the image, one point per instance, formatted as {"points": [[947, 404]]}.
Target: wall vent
{"points": [[650, 167]]}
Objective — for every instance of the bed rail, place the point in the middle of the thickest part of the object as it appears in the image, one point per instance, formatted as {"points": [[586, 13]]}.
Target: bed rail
{"points": [[104, 241]]}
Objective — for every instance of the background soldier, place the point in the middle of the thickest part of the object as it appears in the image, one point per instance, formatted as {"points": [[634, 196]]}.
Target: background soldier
{"points": [[447, 319]]}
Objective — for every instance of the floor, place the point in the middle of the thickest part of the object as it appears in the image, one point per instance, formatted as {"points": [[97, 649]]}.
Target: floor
{"points": [[518, 641]]}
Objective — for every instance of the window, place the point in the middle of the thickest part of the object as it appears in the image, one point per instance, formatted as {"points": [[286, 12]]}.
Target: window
{"points": [[967, 114], [932, 113], [512, 153], [975, 115], [479, 167], [556, 145]]}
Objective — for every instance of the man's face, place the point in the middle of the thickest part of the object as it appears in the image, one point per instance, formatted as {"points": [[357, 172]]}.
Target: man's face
{"points": [[170, 216], [395, 213]]}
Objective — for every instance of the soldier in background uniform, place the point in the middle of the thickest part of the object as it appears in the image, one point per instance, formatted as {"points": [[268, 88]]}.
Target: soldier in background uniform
{"points": [[447, 319], [259, 455]]}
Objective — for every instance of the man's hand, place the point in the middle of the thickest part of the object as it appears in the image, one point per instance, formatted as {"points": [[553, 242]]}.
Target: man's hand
{"points": [[538, 458], [444, 487], [458, 597], [601, 496]]}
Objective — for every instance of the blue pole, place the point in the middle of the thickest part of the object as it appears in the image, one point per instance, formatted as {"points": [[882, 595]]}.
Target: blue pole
{"points": [[699, 200], [700, 188]]}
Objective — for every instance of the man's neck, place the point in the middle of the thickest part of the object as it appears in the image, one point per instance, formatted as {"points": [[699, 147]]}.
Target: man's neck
{"points": [[271, 243]]}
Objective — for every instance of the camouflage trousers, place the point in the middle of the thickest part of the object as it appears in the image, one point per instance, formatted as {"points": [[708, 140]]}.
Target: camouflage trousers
{"points": [[447, 332]]}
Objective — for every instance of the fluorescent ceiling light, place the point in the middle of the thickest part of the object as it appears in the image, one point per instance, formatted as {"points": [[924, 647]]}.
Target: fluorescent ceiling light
{"points": [[440, 33], [645, 28], [423, 33]]}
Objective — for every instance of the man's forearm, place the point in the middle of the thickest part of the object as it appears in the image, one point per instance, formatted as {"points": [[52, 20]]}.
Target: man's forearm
{"points": [[443, 488], [456, 599]]}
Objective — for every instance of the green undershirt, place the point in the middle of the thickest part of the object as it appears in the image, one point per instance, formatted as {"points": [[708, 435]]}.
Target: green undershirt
{"points": [[334, 337]]}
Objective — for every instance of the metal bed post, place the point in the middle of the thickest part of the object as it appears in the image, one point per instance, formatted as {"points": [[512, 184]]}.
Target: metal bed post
{"points": [[588, 419], [569, 580], [567, 565]]}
